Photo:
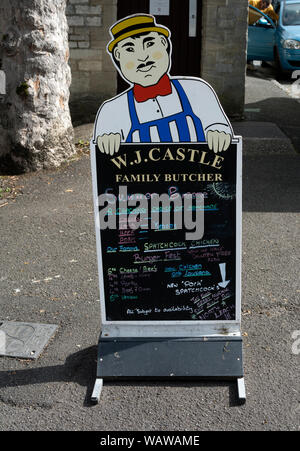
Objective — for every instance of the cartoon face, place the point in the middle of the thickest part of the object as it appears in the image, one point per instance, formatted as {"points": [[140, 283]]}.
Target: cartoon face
{"points": [[143, 59]]}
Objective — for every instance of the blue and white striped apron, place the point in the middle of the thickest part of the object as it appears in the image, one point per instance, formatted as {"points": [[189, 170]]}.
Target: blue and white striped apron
{"points": [[163, 125]]}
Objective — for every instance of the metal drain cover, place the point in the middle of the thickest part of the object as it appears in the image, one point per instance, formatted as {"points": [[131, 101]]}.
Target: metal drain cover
{"points": [[24, 340]]}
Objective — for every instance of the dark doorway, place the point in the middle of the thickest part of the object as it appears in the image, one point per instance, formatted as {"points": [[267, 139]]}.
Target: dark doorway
{"points": [[186, 55]]}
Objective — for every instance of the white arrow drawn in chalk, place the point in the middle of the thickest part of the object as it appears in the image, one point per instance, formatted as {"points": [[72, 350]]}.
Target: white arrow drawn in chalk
{"points": [[224, 282]]}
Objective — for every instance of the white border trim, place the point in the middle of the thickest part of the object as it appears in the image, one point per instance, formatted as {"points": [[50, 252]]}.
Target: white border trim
{"points": [[98, 240], [238, 273], [172, 328]]}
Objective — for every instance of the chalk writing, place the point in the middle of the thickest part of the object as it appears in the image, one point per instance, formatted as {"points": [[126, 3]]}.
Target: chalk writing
{"points": [[154, 273]]}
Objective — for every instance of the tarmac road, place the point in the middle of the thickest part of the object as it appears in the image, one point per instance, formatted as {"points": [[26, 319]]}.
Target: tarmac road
{"points": [[48, 274], [287, 82]]}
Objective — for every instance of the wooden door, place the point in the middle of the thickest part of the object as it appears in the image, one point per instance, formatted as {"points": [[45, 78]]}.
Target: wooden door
{"points": [[186, 54]]}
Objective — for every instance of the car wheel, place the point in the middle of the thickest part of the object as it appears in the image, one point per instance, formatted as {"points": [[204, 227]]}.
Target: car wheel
{"points": [[280, 74]]}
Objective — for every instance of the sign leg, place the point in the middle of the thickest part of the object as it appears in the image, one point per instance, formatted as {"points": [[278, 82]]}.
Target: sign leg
{"points": [[241, 390], [97, 391]]}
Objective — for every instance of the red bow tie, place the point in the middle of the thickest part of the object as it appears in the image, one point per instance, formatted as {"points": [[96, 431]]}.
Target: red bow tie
{"points": [[162, 88]]}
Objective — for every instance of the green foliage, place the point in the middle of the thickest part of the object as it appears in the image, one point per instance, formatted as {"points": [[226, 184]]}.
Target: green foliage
{"points": [[22, 90]]}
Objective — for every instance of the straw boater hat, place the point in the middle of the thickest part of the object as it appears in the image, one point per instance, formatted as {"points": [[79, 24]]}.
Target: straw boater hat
{"points": [[133, 25]]}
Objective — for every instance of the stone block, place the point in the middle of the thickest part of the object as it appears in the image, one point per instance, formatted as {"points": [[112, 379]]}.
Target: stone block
{"points": [[226, 24], [80, 30], [88, 10], [70, 9], [78, 37], [104, 83], [84, 45], [225, 68], [73, 65], [84, 54], [78, 2], [98, 44], [93, 21], [90, 66], [75, 21], [103, 2]]}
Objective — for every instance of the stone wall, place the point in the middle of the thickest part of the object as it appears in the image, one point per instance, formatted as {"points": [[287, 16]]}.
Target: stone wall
{"points": [[224, 44], [93, 75]]}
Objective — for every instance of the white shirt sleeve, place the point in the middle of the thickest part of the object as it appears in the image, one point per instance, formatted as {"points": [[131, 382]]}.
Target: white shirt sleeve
{"points": [[206, 105], [113, 117]]}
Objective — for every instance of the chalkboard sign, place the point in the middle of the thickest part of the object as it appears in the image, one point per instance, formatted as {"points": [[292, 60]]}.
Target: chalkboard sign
{"points": [[149, 270]]}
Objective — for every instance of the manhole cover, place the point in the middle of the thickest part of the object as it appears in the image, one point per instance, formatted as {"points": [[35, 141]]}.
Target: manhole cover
{"points": [[24, 340]]}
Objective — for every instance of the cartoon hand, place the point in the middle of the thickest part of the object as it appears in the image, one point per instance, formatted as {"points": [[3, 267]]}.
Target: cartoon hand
{"points": [[109, 144], [218, 141]]}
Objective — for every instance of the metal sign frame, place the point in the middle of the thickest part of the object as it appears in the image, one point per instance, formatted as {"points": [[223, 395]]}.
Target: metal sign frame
{"points": [[192, 349], [182, 350]]}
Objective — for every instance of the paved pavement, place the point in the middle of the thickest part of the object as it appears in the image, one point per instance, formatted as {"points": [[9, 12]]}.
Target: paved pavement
{"points": [[268, 100], [48, 274]]}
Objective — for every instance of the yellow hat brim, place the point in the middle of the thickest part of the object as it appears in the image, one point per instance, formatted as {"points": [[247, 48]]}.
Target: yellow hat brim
{"points": [[114, 42]]}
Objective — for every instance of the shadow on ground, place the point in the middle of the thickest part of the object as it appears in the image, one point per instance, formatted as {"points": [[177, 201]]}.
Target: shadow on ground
{"points": [[271, 183], [283, 110], [80, 368]]}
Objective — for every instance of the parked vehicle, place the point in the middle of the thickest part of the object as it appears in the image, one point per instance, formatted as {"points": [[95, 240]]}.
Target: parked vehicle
{"points": [[280, 43]]}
